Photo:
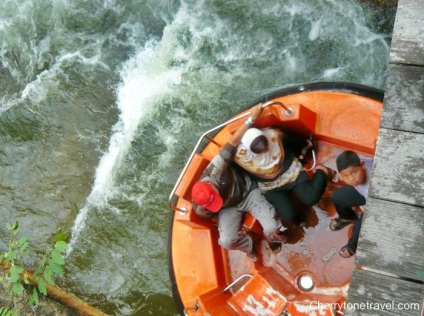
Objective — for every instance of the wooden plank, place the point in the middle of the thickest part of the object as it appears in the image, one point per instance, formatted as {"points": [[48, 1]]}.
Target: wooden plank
{"points": [[404, 99], [398, 173], [392, 239], [375, 294], [391, 242], [408, 34]]}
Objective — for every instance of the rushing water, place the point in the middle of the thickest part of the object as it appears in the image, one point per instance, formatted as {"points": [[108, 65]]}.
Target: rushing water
{"points": [[102, 101]]}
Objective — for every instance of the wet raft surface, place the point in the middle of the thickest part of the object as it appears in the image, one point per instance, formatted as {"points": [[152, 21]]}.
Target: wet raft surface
{"points": [[390, 256]]}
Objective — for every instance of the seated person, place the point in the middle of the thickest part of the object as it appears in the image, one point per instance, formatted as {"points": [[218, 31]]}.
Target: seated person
{"points": [[270, 158], [223, 188], [350, 199]]}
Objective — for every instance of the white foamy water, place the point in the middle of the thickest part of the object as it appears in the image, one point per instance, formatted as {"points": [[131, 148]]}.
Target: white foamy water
{"points": [[144, 77], [315, 29]]}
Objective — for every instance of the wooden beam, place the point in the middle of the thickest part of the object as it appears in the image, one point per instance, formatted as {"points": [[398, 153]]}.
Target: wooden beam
{"points": [[376, 294], [398, 173], [408, 33], [392, 239], [404, 99], [391, 242]]}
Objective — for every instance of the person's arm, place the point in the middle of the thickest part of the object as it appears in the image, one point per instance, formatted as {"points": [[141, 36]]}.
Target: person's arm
{"points": [[219, 163], [255, 111], [202, 212]]}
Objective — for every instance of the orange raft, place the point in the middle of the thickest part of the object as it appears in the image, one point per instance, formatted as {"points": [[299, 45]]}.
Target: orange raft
{"points": [[308, 277]]}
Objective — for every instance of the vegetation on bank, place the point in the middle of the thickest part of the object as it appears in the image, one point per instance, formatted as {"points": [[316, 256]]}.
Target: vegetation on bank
{"points": [[24, 288]]}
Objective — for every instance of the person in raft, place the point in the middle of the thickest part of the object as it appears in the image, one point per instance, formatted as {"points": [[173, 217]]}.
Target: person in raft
{"points": [[226, 190], [350, 199], [275, 161]]}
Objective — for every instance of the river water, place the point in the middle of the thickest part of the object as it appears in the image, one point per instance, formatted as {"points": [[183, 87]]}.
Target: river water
{"points": [[101, 102]]}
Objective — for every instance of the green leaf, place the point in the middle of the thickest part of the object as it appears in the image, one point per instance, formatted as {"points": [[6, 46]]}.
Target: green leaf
{"points": [[57, 257], [4, 311], [61, 237], [15, 227], [22, 245], [10, 257], [15, 272], [42, 287], [35, 300], [55, 268], [15, 277], [17, 288], [61, 246], [16, 268], [23, 240], [48, 277]]}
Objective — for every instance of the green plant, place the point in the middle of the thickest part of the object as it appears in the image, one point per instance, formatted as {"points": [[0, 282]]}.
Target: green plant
{"points": [[4, 311], [22, 285]]}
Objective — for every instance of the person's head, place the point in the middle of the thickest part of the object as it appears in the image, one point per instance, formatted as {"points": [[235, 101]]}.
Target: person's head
{"points": [[352, 170], [254, 139], [206, 194]]}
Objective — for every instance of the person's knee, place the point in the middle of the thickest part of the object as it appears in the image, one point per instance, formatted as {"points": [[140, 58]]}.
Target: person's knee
{"points": [[338, 197], [271, 227], [288, 214], [310, 200], [227, 242]]}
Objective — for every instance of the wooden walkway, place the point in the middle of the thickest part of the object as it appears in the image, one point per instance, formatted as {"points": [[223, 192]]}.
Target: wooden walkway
{"points": [[390, 256]]}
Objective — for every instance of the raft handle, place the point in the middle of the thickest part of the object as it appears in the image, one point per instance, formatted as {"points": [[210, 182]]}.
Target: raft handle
{"points": [[236, 281], [314, 158], [288, 112], [173, 203]]}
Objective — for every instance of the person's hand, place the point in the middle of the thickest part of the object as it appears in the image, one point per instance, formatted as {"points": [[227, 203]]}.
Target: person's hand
{"points": [[255, 111], [238, 134]]}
